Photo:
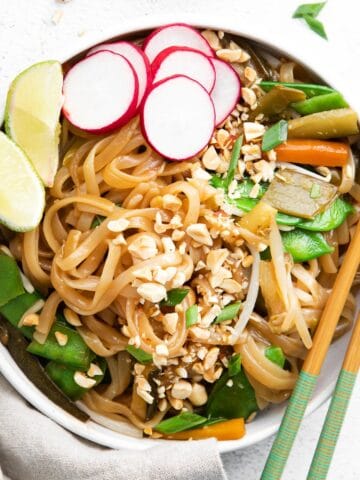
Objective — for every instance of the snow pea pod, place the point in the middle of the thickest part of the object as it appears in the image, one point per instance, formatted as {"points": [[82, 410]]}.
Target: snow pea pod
{"points": [[311, 90], [15, 309], [321, 103], [304, 245], [10, 281], [63, 377], [30, 365], [330, 219], [235, 399], [74, 354]]}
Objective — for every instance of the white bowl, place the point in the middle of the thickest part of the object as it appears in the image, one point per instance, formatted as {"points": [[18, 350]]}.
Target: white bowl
{"points": [[266, 423]]}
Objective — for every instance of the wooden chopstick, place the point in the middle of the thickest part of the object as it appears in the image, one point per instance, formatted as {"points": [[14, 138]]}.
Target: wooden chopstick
{"points": [[335, 416], [305, 384]]}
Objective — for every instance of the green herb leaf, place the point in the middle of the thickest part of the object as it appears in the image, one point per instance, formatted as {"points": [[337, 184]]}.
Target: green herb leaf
{"points": [[316, 26], [97, 221], [234, 366], [311, 9], [235, 154], [174, 297], [275, 355], [274, 136], [228, 313], [10, 281], [139, 354], [191, 315], [184, 421], [231, 399], [315, 191]]}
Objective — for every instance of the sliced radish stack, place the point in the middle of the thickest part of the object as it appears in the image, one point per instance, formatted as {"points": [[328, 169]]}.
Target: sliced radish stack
{"points": [[226, 91], [184, 61], [178, 117], [100, 92], [137, 59], [175, 35]]}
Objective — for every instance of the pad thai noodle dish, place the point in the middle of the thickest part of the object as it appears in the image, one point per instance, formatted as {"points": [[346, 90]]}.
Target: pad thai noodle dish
{"points": [[174, 211]]}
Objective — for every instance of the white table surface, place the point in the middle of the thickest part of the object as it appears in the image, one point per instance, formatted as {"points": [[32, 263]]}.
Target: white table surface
{"points": [[32, 30]]}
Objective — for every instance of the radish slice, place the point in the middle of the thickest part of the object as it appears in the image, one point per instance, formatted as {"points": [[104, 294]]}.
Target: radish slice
{"points": [[178, 117], [184, 61], [226, 91], [101, 92], [175, 35], [137, 59]]}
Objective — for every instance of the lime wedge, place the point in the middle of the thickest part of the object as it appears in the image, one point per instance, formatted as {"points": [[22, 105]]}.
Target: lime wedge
{"points": [[32, 115], [22, 195]]}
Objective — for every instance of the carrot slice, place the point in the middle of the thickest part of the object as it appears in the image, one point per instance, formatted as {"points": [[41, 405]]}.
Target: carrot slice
{"points": [[313, 152], [229, 430]]}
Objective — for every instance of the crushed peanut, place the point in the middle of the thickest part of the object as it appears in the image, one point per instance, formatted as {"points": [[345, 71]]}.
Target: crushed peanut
{"points": [[61, 338], [153, 292]]}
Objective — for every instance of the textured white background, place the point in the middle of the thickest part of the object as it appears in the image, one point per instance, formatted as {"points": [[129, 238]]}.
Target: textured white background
{"points": [[29, 32]]}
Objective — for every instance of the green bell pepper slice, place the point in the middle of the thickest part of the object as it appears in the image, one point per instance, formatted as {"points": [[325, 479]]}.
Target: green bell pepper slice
{"points": [[304, 245]]}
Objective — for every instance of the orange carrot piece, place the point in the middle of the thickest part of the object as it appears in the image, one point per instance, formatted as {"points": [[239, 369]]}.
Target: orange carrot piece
{"points": [[229, 430], [313, 152]]}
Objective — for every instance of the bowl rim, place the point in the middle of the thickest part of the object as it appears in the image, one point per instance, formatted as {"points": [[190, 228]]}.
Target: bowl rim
{"points": [[15, 376]]}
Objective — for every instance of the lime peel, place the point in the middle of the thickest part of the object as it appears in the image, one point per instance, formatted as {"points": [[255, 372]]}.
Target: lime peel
{"points": [[22, 194], [32, 113]]}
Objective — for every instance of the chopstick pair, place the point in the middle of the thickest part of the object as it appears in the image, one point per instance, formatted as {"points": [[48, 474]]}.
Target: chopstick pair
{"points": [[308, 376]]}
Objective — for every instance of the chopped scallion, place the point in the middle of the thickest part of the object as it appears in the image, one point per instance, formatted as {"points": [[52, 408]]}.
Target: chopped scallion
{"points": [[174, 297], [97, 221], [235, 155], [275, 355], [229, 312], [234, 366], [275, 135], [184, 421], [316, 26], [139, 354], [312, 9], [191, 315]]}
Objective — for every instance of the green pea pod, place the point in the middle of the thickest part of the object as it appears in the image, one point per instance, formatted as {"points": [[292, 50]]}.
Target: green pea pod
{"points": [[232, 397], [10, 281], [323, 125], [63, 377], [311, 90], [304, 246], [74, 354], [321, 103], [330, 219], [15, 309]]}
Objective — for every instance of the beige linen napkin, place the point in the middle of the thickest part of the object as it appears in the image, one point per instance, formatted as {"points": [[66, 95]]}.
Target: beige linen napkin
{"points": [[33, 447]]}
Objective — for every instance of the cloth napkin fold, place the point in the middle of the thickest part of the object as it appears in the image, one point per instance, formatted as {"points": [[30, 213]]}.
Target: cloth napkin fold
{"points": [[33, 447]]}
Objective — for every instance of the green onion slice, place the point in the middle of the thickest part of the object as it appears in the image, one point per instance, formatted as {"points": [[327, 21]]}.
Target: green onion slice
{"points": [[311, 9], [229, 312], [139, 354], [235, 155], [275, 355], [174, 297], [234, 366], [191, 315], [275, 135]]}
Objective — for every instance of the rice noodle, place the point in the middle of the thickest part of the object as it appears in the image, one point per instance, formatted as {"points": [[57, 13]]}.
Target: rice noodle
{"points": [[251, 296]]}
